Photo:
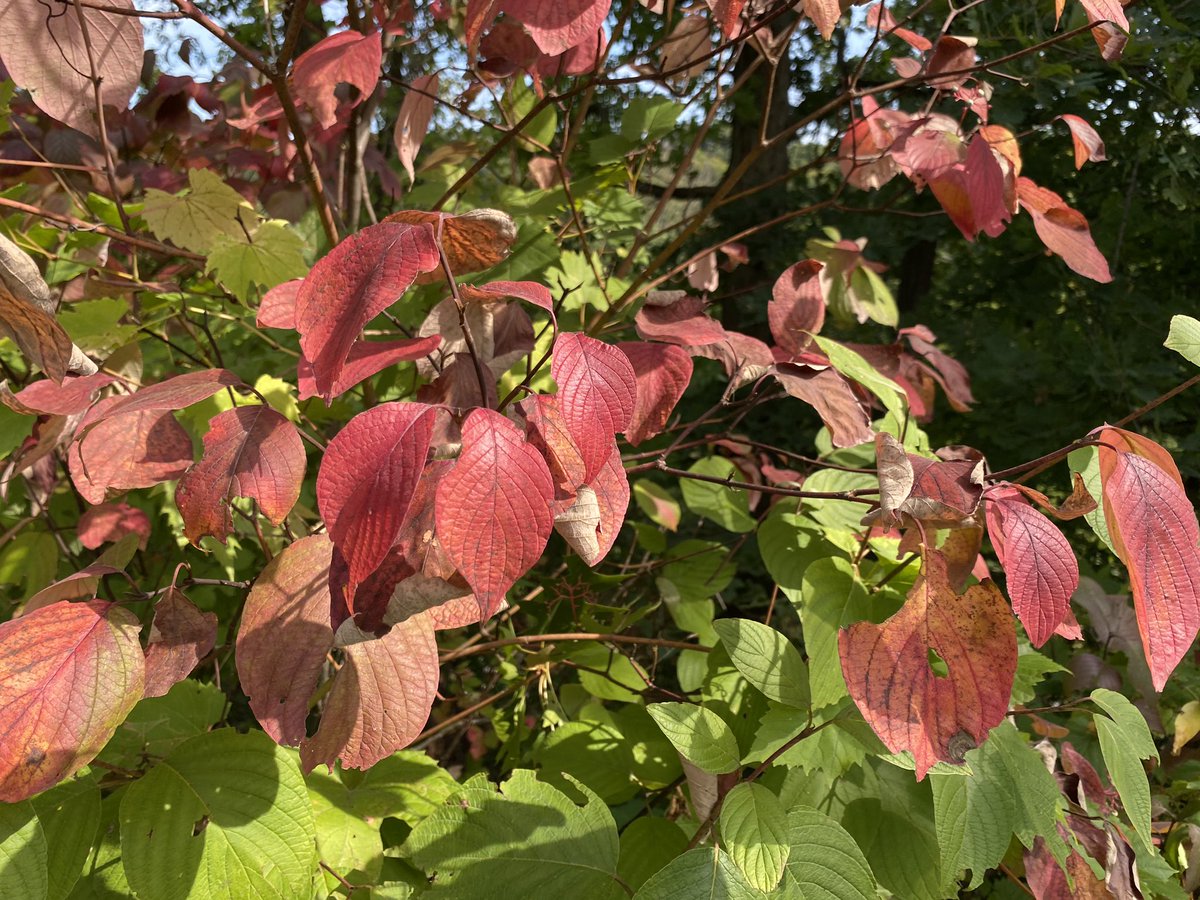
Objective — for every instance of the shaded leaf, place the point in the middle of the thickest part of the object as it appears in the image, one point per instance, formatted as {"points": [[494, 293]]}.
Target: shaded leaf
{"points": [[797, 306], [1063, 230], [824, 861], [345, 57], [40, 338], [110, 522], [663, 373], [597, 392], [704, 872], [137, 450], [416, 112], [180, 636], [558, 26], [831, 395]]}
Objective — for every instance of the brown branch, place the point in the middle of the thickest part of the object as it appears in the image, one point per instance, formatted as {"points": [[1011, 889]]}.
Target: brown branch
{"points": [[524, 640], [858, 495], [80, 225]]}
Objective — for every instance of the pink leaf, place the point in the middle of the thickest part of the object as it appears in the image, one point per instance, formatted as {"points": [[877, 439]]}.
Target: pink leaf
{"points": [[910, 707], [347, 56], [44, 52], [278, 306], [1154, 531], [416, 112], [831, 395], [172, 394], [529, 291], [972, 192], [493, 508], [547, 431], [702, 273], [284, 637], [1063, 230], [180, 637], [367, 480], [360, 278], [69, 675], [134, 450], [1106, 11], [683, 322], [663, 373], [366, 358], [951, 54], [1038, 562], [597, 391], [249, 451], [559, 25], [728, 14], [110, 522], [1088, 145], [797, 306], [73, 396], [824, 14], [380, 698]]}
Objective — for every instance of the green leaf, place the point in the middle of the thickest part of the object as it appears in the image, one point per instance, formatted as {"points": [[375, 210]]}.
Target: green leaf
{"points": [[754, 833], [648, 844], [614, 676], [649, 118], [70, 816], [728, 507], [226, 814], [1086, 462], [824, 862], [31, 560], [1184, 338], [1124, 742], [14, 428], [700, 735], [699, 569], [200, 215], [22, 852], [1032, 669], [408, 785], [157, 725], [706, 873], [851, 364], [346, 843], [837, 515], [767, 659], [103, 876], [657, 503], [273, 254], [95, 325], [595, 753], [833, 598], [788, 545], [693, 615], [524, 839]]}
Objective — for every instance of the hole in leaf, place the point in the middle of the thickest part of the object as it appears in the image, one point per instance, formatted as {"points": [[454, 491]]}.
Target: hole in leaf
{"points": [[201, 824], [937, 664]]}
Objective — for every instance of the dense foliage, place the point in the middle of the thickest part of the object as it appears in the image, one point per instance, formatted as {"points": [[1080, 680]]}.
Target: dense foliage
{"points": [[505, 449]]}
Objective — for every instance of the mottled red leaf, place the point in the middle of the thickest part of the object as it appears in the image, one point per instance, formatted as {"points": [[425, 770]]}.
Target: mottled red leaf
{"points": [[38, 335], [797, 306], [412, 123], [284, 637], [559, 25], [366, 358], [1038, 562], [728, 15], [380, 698], [888, 673], [110, 522], [72, 397], [1088, 144], [472, 241], [135, 450], [493, 508], [826, 391], [663, 373], [45, 52], [348, 57], [172, 394], [1154, 531], [529, 291], [548, 432], [684, 322], [180, 636], [951, 54], [597, 392], [278, 306], [949, 372], [249, 451], [69, 675], [367, 479], [356, 281], [1063, 230], [1047, 881], [972, 192]]}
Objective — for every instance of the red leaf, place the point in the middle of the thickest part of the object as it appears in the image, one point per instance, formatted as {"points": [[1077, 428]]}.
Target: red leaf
{"points": [[1063, 230], [559, 25], [1154, 531], [1038, 562], [1106, 11], [493, 508], [45, 52], [284, 637], [367, 480], [831, 395], [591, 521], [69, 675], [135, 450], [180, 637], [1048, 881], [1088, 144], [110, 522], [529, 291], [908, 705], [347, 56], [797, 306], [949, 372], [472, 241], [380, 699], [278, 306], [249, 451], [663, 373], [360, 278], [366, 358], [951, 54], [972, 192], [479, 14], [684, 322], [416, 112], [597, 391], [1111, 41], [172, 394], [73, 396], [547, 431], [728, 14]]}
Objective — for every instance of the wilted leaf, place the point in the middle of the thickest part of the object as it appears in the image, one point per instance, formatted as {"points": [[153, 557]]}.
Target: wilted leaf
{"points": [[69, 674], [349, 57], [41, 339], [910, 706], [592, 522], [797, 306], [826, 391], [597, 392], [663, 373], [472, 241], [180, 636], [249, 451], [1063, 230], [413, 121], [684, 322], [45, 52], [138, 449], [1088, 145]]}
